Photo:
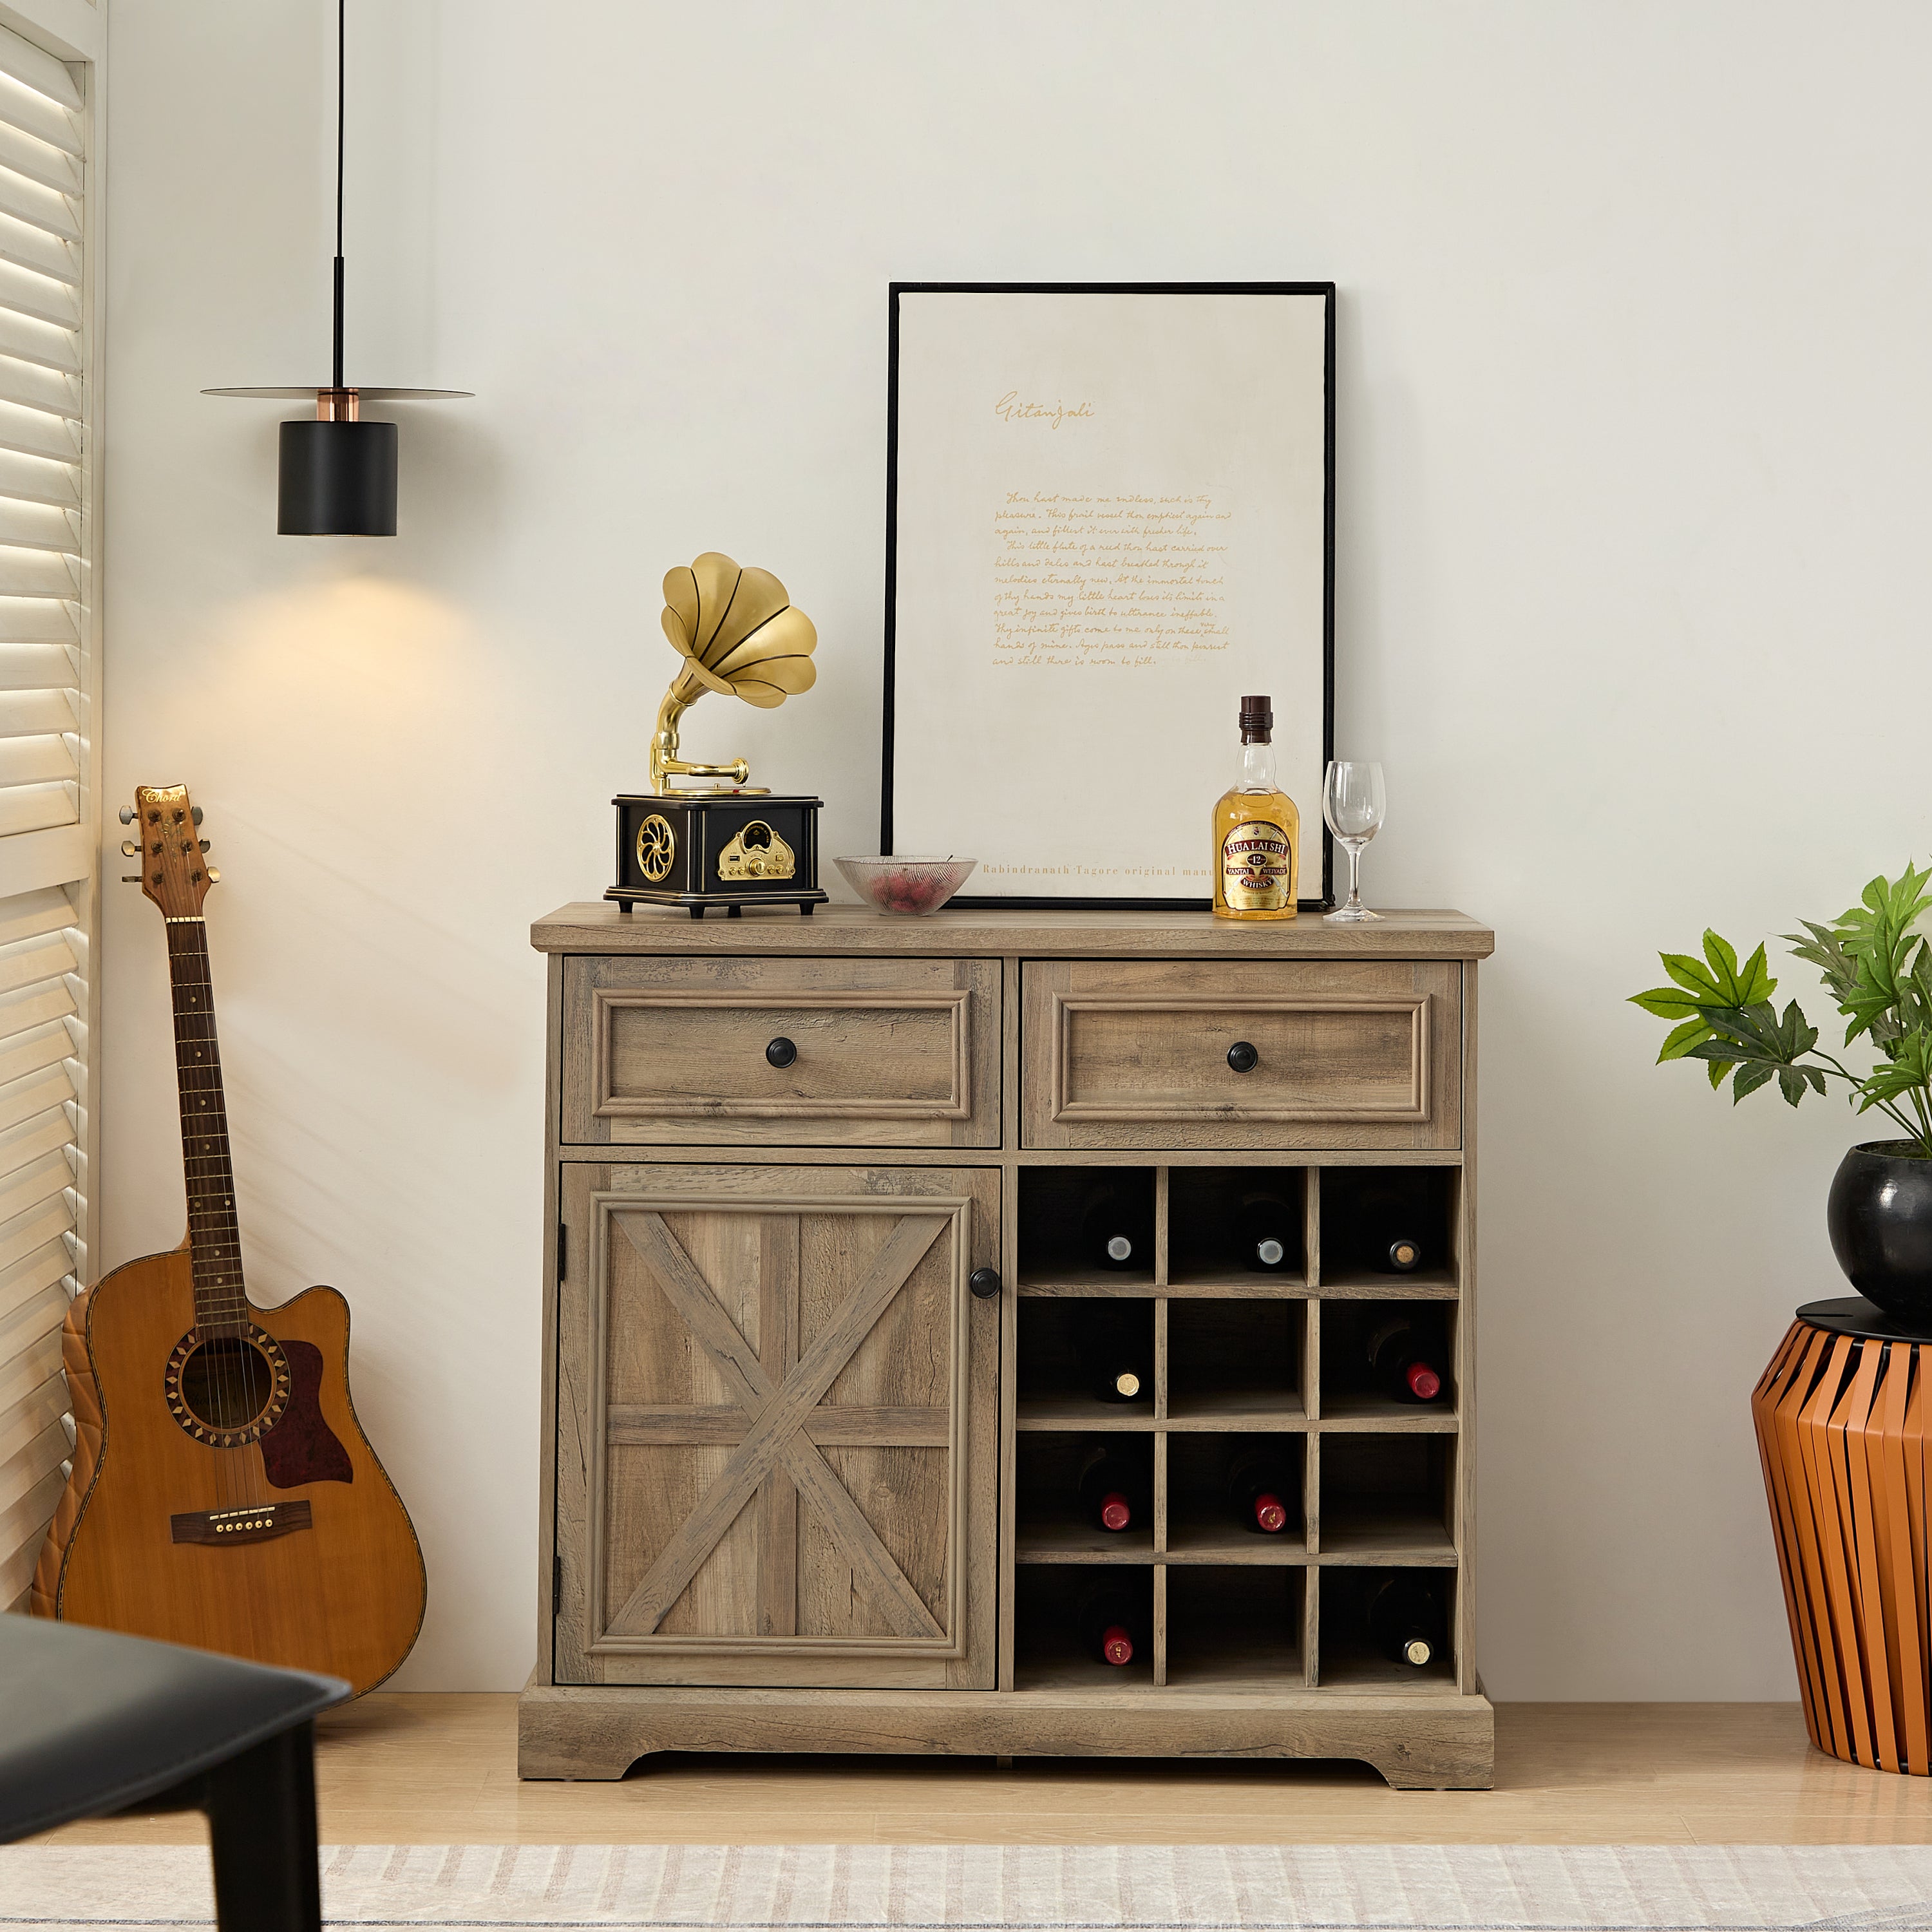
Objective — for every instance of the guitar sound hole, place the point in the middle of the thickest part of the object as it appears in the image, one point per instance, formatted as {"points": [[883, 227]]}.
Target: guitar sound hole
{"points": [[227, 1382]]}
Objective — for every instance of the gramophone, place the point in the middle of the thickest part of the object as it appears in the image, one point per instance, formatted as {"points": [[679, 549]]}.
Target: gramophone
{"points": [[728, 843]]}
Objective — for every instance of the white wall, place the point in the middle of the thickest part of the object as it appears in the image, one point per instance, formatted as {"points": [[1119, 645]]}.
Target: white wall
{"points": [[1635, 407]]}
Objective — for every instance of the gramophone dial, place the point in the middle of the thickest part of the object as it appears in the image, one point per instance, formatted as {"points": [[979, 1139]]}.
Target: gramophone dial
{"points": [[657, 846]]}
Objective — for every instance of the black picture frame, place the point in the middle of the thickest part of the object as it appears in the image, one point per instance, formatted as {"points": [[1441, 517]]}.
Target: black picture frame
{"points": [[1021, 902]]}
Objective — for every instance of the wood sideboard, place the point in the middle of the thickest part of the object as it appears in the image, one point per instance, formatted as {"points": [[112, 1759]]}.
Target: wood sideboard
{"points": [[814, 1308]]}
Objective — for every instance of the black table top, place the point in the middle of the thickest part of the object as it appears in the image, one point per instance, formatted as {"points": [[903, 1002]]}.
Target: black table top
{"points": [[1853, 1314]]}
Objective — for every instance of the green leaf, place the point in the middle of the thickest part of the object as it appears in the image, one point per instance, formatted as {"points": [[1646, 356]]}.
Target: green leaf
{"points": [[1723, 956], [1667, 1003], [1683, 1039], [1717, 1068], [1749, 1080], [1690, 974], [1757, 984]]}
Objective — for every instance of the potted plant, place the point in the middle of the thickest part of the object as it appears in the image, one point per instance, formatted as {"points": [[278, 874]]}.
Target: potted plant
{"points": [[1878, 969]]}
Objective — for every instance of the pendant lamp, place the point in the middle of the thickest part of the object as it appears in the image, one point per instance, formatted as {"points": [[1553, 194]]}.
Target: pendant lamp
{"points": [[338, 473]]}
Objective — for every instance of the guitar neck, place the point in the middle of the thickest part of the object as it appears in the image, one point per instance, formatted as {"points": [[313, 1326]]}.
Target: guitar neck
{"points": [[214, 1237]]}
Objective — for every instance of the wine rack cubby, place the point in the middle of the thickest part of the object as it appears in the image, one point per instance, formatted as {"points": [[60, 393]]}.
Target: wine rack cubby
{"points": [[1280, 1358], [874, 1236]]}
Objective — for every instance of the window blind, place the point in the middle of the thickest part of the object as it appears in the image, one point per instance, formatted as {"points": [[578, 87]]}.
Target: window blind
{"points": [[48, 822]]}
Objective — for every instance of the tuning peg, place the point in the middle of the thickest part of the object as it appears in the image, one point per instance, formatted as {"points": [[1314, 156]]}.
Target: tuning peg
{"points": [[194, 812], [129, 849], [214, 877], [131, 878], [205, 843], [127, 815]]}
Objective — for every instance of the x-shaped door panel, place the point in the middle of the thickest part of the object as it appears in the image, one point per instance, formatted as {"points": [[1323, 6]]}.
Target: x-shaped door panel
{"points": [[779, 1396]]}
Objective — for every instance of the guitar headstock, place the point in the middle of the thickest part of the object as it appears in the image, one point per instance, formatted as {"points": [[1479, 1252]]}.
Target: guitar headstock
{"points": [[167, 840]]}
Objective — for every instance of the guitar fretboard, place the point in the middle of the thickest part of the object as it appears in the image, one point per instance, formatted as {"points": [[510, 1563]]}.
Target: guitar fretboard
{"points": [[215, 1238]]}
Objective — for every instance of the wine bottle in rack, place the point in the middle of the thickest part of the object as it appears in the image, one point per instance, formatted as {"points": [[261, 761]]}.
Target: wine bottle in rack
{"points": [[1110, 1625], [1404, 1362], [1113, 1487], [1390, 1217], [1116, 1231], [1118, 1351], [1269, 1230], [1262, 1490], [1405, 1621]]}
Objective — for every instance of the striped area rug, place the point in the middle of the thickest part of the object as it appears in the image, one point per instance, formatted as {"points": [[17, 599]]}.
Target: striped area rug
{"points": [[1030, 1888]]}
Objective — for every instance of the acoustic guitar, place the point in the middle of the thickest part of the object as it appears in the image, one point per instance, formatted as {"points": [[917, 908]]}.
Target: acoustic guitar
{"points": [[223, 1494]]}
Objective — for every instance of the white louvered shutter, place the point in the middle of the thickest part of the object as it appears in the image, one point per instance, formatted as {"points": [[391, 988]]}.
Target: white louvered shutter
{"points": [[49, 821]]}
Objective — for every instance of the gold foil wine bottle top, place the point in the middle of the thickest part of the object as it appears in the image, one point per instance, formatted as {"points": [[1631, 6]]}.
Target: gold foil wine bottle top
{"points": [[1417, 1651], [1127, 1384]]}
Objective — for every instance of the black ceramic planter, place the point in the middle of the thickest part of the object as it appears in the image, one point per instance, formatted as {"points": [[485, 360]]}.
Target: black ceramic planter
{"points": [[1880, 1218]]}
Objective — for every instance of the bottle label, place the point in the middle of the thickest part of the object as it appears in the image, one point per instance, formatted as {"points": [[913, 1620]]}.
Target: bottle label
{"points": [[1255, 866]]}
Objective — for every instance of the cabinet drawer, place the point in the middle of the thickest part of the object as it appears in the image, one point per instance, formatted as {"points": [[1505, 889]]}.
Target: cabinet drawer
{"points": [[1353, 1054], [884, 1053]]}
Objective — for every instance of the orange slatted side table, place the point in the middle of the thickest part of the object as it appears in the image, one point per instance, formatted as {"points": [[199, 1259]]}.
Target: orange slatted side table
{"points": [[1846, 1436]]}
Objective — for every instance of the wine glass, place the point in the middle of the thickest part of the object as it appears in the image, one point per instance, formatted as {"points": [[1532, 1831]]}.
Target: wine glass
{"points": [[1353, 802]]}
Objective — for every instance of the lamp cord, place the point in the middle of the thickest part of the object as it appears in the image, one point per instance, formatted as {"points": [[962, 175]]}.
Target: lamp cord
{"points": [[341, 23]]}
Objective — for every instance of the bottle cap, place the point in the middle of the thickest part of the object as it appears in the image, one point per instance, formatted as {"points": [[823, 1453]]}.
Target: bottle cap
{"points": [[1417, 1651], [1257, 719], [1119, 1248], [1116, 1645], [1115, 1512], [1269, 1514], [1269, 1252], [1127, 1384], [1424, 1384], [1403, 1255]]}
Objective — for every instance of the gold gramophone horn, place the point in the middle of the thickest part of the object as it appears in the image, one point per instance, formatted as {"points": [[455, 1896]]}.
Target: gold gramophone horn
{"points": [[739, 635]]}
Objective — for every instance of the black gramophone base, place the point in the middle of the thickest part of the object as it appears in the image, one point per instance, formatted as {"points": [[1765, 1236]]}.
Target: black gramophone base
{"points": [[729, 849]]}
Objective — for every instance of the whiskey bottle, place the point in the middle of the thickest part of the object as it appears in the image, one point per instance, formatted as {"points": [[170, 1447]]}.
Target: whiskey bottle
{"points": [[1257, 830]]}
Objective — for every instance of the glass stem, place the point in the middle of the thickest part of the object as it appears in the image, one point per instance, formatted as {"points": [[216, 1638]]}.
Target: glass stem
{"points": [[1355, 876]]}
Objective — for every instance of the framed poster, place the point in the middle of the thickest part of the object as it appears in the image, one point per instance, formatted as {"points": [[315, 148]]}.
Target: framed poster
{"points": [[1110, 514]]}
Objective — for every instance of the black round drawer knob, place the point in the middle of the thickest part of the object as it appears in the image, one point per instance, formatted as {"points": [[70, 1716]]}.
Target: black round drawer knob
{"points": [[985, 1282], [1243, 1058], [781, 1052]]}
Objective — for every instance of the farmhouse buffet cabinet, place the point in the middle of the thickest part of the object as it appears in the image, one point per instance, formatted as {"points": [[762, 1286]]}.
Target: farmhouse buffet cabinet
{"points": [[821, 1309]]}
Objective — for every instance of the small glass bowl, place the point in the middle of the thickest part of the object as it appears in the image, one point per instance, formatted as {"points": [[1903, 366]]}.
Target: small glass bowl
{"points": [[911, 887]]}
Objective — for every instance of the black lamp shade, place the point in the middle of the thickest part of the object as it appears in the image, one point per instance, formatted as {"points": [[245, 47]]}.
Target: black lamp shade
{"points": [[338, 479]]}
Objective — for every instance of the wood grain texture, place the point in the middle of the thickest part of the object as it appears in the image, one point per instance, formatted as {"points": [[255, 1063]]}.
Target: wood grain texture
{"points": [[1841, 1432], [345, 1596], [1434, 1741], [1353, 1053], [668, 1443], [890, 1051], [596, 928], [720, 1521]]}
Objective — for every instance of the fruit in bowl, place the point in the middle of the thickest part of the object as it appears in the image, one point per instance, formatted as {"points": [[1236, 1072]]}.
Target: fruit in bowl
{"points": [[907, 886]]}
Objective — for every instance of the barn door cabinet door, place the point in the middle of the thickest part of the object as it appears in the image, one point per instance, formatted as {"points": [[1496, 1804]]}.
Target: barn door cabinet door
{"points": [[777, 1406]]}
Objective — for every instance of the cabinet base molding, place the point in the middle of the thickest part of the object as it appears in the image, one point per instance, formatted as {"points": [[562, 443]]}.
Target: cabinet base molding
{"points": [[1418, 1741]]}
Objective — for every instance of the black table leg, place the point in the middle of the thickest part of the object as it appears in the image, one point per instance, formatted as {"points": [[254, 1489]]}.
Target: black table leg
{"points": [[261, 1830]]}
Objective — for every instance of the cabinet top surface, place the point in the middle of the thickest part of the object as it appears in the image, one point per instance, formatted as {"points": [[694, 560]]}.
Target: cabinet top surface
{"points": [[597, 925]]}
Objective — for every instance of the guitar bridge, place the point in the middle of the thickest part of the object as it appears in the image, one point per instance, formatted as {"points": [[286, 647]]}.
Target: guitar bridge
{"points": [[258, 1523]]}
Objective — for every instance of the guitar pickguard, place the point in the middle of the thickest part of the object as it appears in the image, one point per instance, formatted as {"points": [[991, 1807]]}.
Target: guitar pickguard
{"points": [[302, 1447]]}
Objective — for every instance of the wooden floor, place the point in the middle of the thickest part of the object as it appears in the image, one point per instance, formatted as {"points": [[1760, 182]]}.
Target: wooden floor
{"points": [[442, 1770]]}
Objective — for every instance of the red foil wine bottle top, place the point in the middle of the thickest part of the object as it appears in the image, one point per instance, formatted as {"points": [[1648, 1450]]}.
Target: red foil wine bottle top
{"points": [[1116, 1646], [1269, 1514], [1424, 1384], [1114, 1512]]}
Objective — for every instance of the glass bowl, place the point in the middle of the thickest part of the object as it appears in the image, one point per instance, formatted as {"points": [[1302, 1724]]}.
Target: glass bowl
{"points": [[909, 886]]}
